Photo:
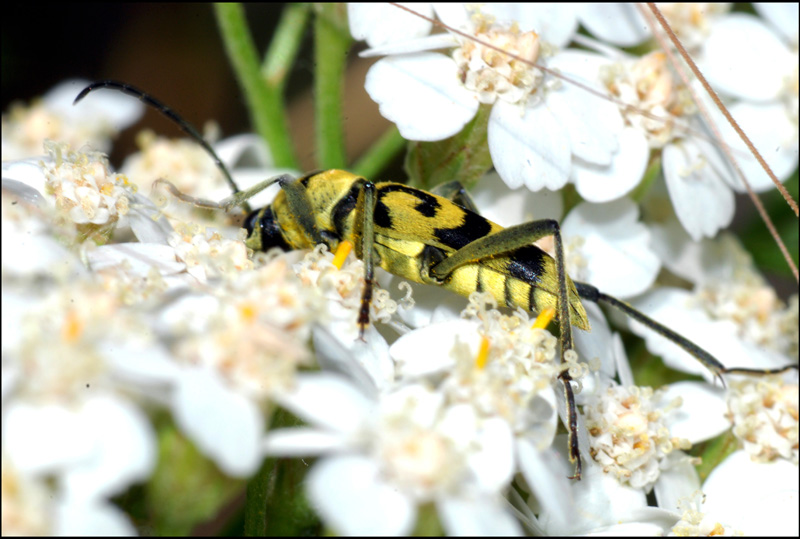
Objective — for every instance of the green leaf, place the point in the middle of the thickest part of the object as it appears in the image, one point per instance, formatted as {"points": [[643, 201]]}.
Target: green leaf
{"points": [[276, 502], [463, 157], [759, 242]]}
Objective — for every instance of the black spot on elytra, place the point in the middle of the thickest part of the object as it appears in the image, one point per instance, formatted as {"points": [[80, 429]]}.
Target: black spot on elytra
{"points": [[472, 227]]}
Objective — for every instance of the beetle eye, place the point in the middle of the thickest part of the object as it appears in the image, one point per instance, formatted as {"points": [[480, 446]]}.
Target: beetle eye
{"points": [[263, 232]]}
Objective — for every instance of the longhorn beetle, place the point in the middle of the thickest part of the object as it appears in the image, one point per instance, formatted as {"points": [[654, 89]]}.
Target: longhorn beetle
{"points": [[435, 238]]}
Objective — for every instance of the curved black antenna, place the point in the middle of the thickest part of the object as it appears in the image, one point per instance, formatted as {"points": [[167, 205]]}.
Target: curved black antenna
{"points": [[185, 126]]}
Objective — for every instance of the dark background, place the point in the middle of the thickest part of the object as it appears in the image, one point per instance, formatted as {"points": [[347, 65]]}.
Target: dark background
{"points": [[173, 52]]}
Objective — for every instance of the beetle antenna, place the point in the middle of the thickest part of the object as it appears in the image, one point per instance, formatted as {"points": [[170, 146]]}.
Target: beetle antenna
{"points": [[184, 125]]}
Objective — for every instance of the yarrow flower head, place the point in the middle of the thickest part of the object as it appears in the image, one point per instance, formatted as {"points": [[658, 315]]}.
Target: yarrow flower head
{"points": [[86, 192], [53, 117], [207, 254], [536, 125], [647, 84], [251, 332], [696, 523], [629, 438], [765, 418], [493, 75]]}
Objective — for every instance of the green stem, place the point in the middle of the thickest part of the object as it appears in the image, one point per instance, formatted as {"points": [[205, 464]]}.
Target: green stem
{"points": [[331, 43], [380, 154], [283, 49], [264, 102]]}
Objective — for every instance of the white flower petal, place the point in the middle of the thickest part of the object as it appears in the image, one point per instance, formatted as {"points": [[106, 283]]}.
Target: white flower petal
{"points": [[147, 222], [674, 308], [326, 400], [44, 438], [678, 480], [702, 414], [333, 356], [784, 17], [593, 122], [422, 44], [756, 498], [743, 40], [115, 108], [84, 518], [702, 200], [529, 146], [145, 364], [618, 23], [244, 151], [775, 136], [430, 349], [556, 23], [28, 172], [422, 94], [616, 245], [301, 442], [481, 516], [123, 452], [225, 425], [349, 495], [596, 343], [493, 464], [546, 475], [379, 24], [598, 183], [499, 204], [139, 258]]}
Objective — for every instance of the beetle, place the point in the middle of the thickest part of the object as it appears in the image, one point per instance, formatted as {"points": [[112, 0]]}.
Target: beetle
{"points": [[436, 238]]}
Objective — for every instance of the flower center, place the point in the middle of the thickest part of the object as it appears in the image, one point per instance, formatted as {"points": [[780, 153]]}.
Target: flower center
{"points": [[764, 413], [647, 84], [491, 74], [628, 435]]}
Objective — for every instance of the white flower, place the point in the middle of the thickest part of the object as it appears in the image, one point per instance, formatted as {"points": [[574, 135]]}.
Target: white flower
{"points": [[694, 522], [623, 25], [31, 507], [236, 349], [732, 312], [67, 411], [767, 109], [764, 414], [628, 436], [93, 121], [387, 455], [536, 125]]}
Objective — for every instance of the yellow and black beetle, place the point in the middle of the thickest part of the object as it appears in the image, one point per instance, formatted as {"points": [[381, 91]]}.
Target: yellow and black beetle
{"points": [[435, 238]]}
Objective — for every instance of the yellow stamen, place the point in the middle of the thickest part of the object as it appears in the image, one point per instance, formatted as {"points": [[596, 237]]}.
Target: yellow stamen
{"points": [[248, 312], [544, 318], [341, 253], [72, 328], [483, 353]]}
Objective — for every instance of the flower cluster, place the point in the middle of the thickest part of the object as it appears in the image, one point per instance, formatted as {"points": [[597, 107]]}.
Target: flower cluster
{"points": [[152, 361]]}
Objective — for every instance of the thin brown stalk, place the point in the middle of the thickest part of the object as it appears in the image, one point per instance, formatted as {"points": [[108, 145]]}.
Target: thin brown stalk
{"points": [[679, 69]]}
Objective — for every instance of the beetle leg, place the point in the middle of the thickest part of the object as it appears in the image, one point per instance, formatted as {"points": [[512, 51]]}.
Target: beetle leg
{"points": [[510, 239]]}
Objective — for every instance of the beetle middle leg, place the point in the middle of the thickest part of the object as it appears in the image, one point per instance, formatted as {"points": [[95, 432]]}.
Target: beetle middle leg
{"points": [[508, 240]]}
